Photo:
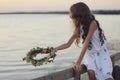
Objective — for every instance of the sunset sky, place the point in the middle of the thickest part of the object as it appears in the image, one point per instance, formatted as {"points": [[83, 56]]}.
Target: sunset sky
{"points": [[54, 5]]}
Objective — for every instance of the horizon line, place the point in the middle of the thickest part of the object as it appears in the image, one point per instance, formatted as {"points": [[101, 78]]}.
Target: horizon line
{"points": [[61, 12]]}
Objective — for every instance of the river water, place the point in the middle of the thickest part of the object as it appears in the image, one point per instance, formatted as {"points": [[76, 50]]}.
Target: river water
{"points": [[20, 33]]}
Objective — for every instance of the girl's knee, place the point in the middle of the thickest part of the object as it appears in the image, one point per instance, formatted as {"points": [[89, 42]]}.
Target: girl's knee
{"points": [[91, 75], [91, 72]]}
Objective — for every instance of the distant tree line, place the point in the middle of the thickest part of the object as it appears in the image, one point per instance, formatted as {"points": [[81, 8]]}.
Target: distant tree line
{"points": [[106, 12], [65, 12]]}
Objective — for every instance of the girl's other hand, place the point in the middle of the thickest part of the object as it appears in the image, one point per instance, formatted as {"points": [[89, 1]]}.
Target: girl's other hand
{"points": [[77, 67]]}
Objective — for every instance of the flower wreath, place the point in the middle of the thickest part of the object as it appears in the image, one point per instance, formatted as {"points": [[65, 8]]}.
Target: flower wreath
{"points": [[35, 51]]}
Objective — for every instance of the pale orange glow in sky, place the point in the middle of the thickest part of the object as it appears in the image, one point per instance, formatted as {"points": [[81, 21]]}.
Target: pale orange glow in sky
{"points": [[54, 5]]}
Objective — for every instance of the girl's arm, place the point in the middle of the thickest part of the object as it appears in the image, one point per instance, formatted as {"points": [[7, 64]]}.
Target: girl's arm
{"points": [[68, 44], [93, 27]]}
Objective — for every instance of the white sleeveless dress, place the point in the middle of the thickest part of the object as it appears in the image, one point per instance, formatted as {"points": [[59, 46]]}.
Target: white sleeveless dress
{"points": [[98, 58]]}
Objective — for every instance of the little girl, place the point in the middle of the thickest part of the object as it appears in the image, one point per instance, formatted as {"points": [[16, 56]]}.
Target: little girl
{"points": [[94, 51]]}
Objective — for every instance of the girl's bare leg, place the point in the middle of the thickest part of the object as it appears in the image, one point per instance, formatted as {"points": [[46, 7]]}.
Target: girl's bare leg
{"points": [[91, 75]]}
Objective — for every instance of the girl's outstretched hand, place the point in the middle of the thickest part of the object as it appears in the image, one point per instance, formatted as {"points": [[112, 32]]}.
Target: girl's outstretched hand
{"points": [[53, 51]]}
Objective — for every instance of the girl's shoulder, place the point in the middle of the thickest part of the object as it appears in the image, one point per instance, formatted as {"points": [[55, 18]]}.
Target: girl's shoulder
{"points": [[93, 24]]}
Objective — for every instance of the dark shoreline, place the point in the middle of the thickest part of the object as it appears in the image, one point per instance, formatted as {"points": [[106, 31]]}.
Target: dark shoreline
{"points": [[116, 12]]}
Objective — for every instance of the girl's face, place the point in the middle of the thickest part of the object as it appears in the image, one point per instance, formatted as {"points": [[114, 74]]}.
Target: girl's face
{"points": [[73, 19]]}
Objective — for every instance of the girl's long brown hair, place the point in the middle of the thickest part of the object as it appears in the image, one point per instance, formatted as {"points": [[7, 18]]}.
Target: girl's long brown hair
{"points": [[83, 16]]}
